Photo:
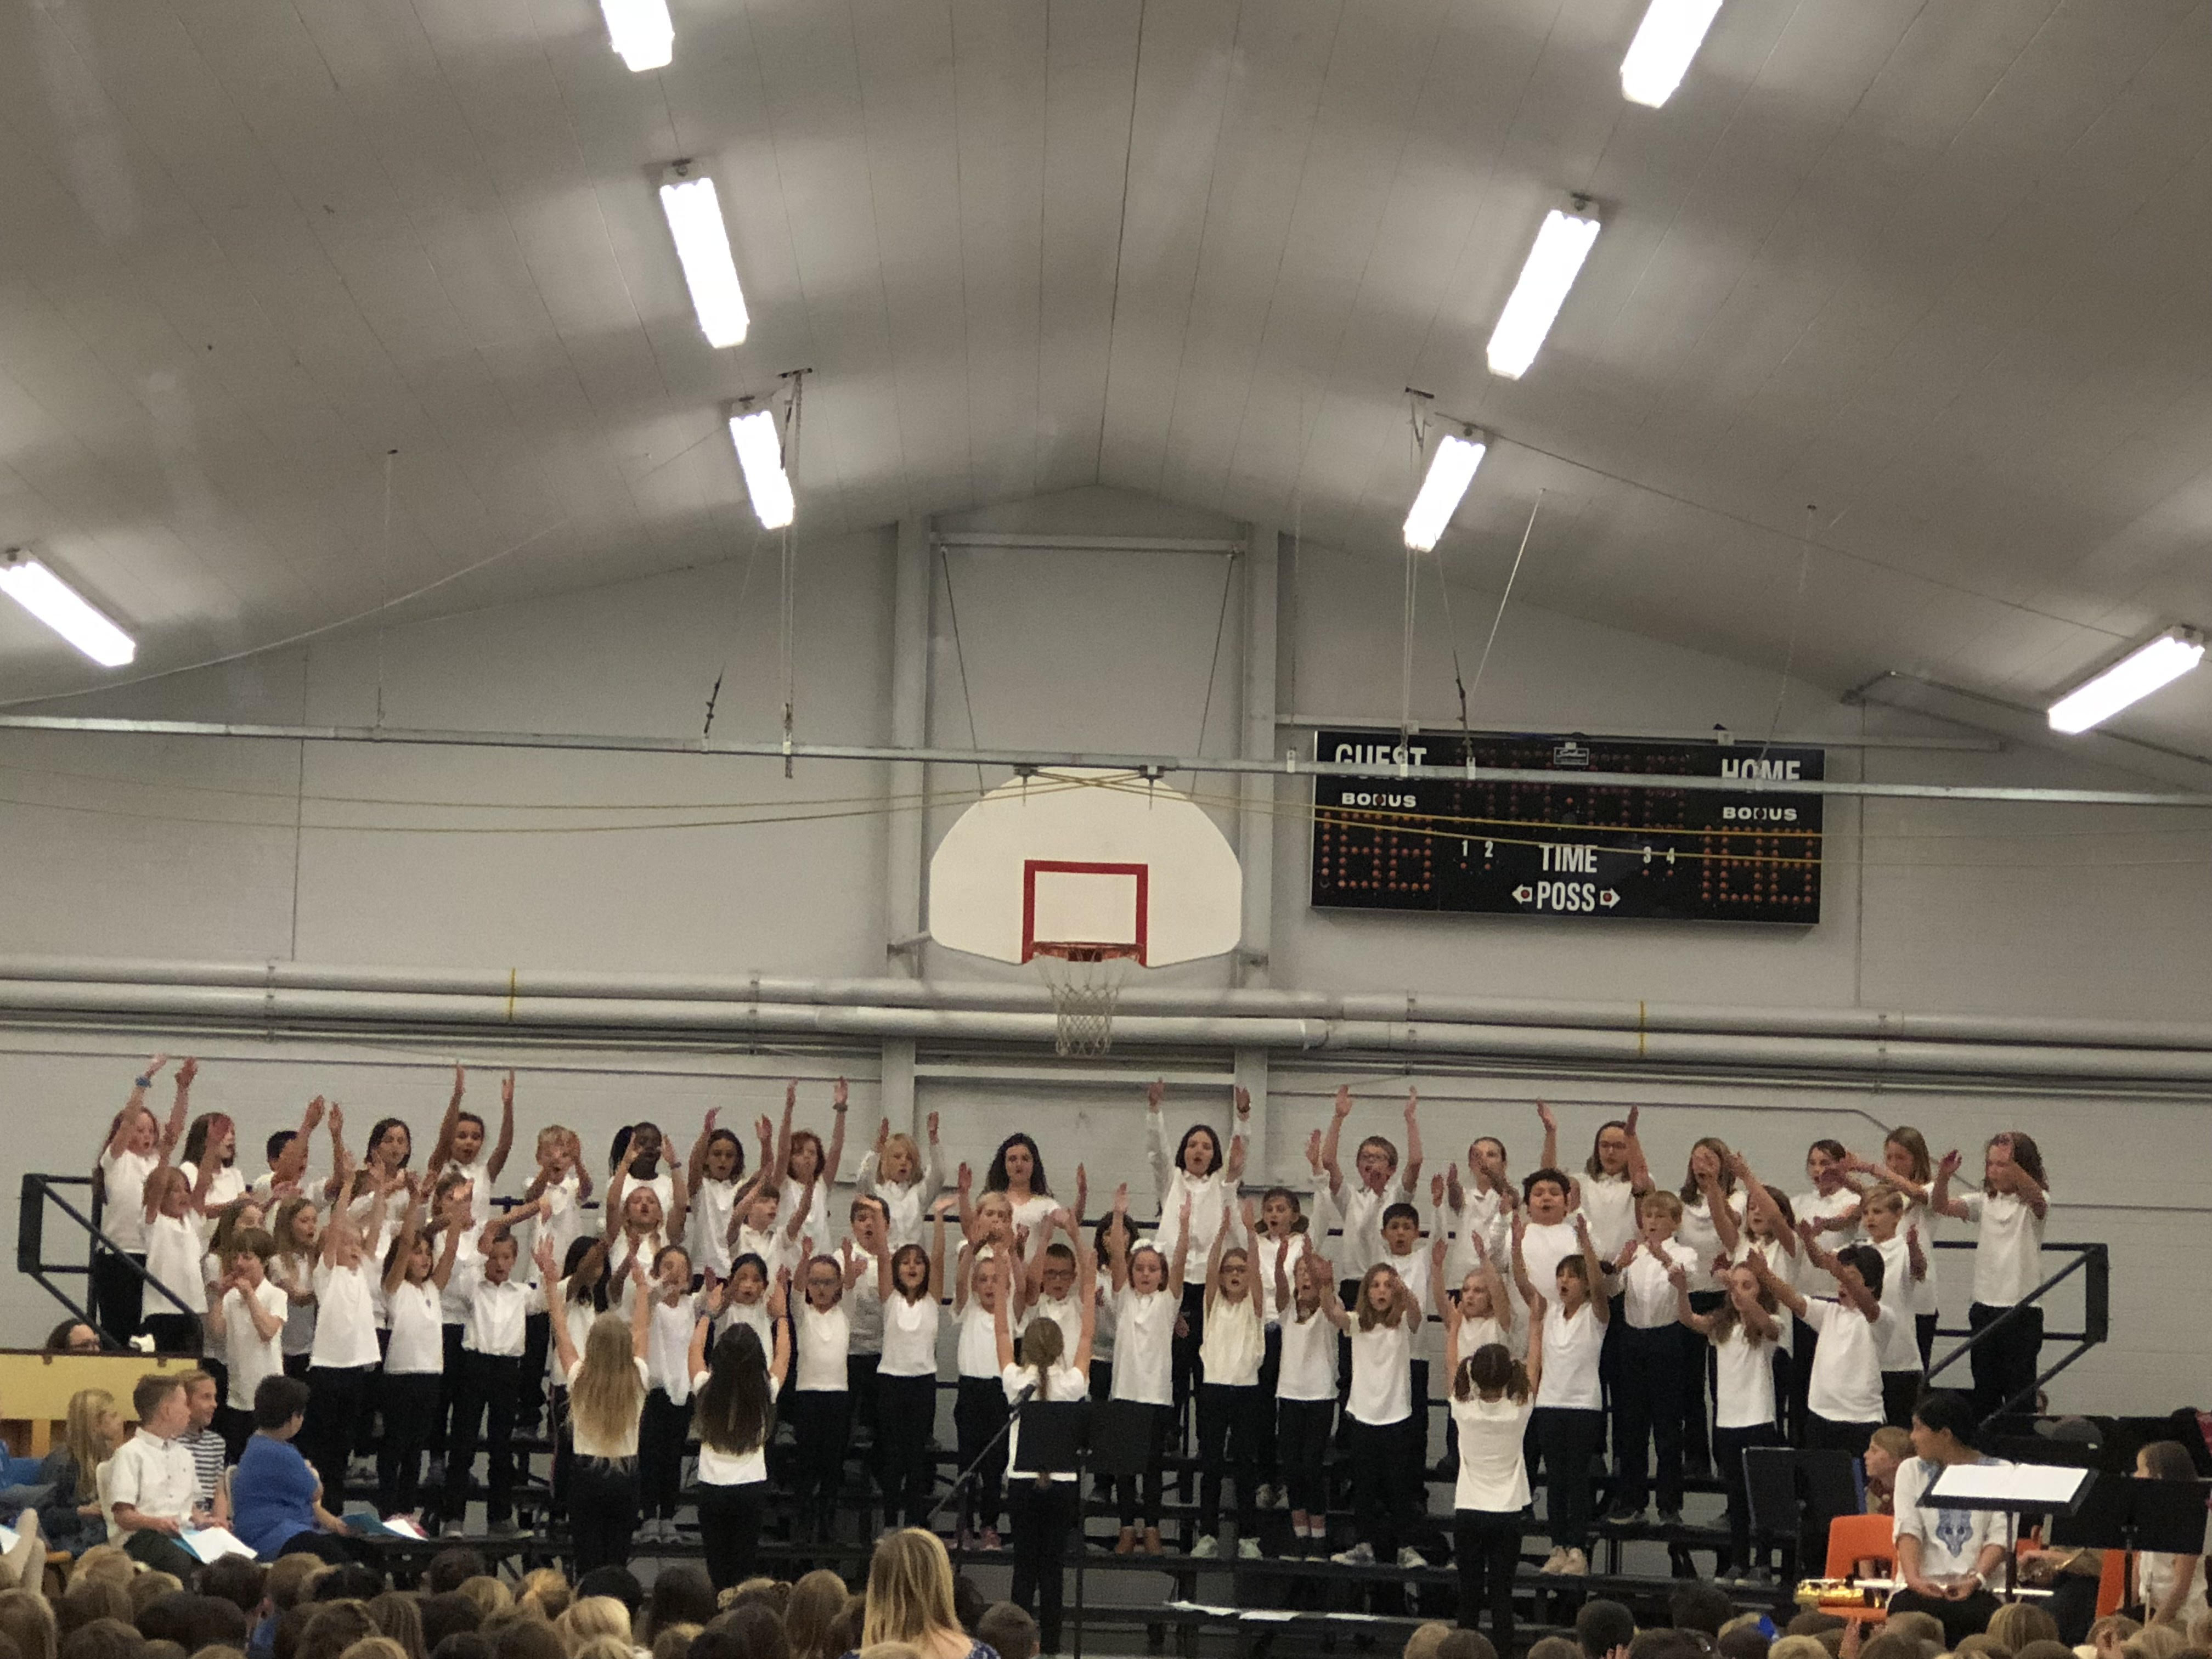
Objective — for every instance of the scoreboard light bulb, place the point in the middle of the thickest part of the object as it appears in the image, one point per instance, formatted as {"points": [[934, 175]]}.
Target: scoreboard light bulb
{"points": [[2135, 677], [1451, 469], [1666, 42], [1563, 242]]}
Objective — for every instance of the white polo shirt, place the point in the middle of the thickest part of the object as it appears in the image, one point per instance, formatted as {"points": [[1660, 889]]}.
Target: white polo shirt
{"points": [[152, 1475], [2007, 1249]]}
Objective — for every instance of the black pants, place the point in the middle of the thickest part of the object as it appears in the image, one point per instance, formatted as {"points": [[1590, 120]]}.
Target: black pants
{"points": [[603, 1510], [1487, 1547], [1959, 1620], [979, 1412], [537, 1344], [2005, 1364], [1648, 1414], [1382, 1502], [328, 1547], [1416, 1444], [160, 1553], [564, 1450], [1159, 1419], [1228, 1420], [1824, 1434], [410, 1402], [441, 1430], [660, 1434], [1728, 1448], [1900, 1393], [174, 1333], [1924, 1332], [860, 1384], [483, 1397], [1271, 1371], [729, 1526], [1697, 1373], [906, 1419], [821, 1423], [118, 1295], [1043, 1515], [1189, 1369], [1804, 1343], [1302, 1436], [338, 1397], [1783, 1367], [1571, 1437]]}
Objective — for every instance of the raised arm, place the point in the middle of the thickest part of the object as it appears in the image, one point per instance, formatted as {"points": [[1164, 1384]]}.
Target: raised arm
{"points": [[1213, 1256], [1156, 1151], [1004, 1337], [1701, 1323], [410, 1223], [1853, 1289], [617, 1185], [1639, 1172], [834, 1155], [1448, 1310], [1332, 1300], [1181, 1251], [933, 1168], [779, 1361], [1330, 1167], [1240, 1131], [1117, 1239], [783, 1130], [937, 1256], [1501, 1305], [442, 1150], [442, 1272], [1788, 1295], [1915, 1258], [796, 1228], [679, 1205], [1551, 1156], [1601, 1304], [1535, 1363], [1086, 1289], [641, 1309], [119, 1137], [1757, 1197], [1410, 1176], [506, 1142], [2030, 1191], [694, 1359], [1722, 1213], [1940, 1200], [696, 1165], [1521, 1280]]}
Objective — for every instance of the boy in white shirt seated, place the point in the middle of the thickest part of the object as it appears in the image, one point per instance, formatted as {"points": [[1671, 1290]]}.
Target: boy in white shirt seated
{"points": [[1946, 1557], [150, 1480]]}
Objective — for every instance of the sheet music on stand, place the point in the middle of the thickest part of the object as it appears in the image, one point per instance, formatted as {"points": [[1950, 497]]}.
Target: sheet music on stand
{"points": [[2013, 1490]]}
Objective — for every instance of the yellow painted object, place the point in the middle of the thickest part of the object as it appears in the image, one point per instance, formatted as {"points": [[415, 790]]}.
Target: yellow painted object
{"points": [[35, 1389]]}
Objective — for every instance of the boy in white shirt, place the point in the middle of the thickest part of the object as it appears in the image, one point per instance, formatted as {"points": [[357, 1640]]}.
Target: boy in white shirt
{"points": [[491, 1381], [150, 1480], [1649, 1407], [1844, 1391]]}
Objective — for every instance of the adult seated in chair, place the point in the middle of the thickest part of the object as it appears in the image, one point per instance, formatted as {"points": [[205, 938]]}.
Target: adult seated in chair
{"points": [[148, 1484], [1946, 1557], [276, 1496]]}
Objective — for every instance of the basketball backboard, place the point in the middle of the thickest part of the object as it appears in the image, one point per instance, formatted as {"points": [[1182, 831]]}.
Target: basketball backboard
{"points": [[1086, 859]]}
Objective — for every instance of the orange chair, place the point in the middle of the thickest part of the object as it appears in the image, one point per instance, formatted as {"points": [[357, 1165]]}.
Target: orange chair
{"points": [[2112, 1582], [1853, 1539]]}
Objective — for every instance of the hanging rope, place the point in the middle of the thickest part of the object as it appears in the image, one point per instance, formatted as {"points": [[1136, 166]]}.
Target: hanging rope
{"points": [[788, 624], [1796, 614], [1511, 576], [1213, 667], [960, 659]]}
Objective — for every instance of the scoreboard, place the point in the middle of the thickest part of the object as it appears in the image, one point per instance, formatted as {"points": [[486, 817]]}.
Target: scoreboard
{"points": [[1567, 848]]}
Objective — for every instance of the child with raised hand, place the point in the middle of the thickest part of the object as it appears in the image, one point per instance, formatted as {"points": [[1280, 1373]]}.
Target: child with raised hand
{"points": [[1359, 1203], [2008, 1214], [743, 1298], [910, 1281], [1712, 1224], [341, 1365], [1048, 1286], [298, 1231], [1230, 1403], [558, 1187], [603, 1382], [1276, 1234], [713, 1179], [489, 1385], [1615, 1179], [128, 1156], [896, 1172], [1907, 1165], [819, 1403], [461, 1143], [1569, 1421], [1197, 1172], [1380, 1408], [212, 1138], [763, 1225], [638, 1227], [667, 1414], [1902, 1266], [245, 1316], [1147, 1293], [1741, 1333], [1493, 1397], [1844, 1392], [416, 1277], [1044, 1509], [1648, 1409], [1481, 1208], [805, 1170], [173, 1207], [735, 1395], [979, 1412], [1305, 1390]]}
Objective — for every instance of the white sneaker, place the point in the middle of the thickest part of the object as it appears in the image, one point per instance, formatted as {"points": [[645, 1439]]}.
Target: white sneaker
{"points": [[1205, 1549], [1359, 1555], [1248, 1549], [1409, 1557], [1556, 1561], [1576, 1565]]}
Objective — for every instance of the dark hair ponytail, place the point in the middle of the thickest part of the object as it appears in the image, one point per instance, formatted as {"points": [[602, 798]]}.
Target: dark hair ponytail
{"points": [[1492, 1368]]}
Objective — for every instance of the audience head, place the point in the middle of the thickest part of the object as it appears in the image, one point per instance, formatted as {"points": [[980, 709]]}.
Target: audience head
{"points": [[674, 1642], [1667, 1644], [1943, 1425], [72, 1336], [545, 1590], [2151, 1641], [527, 1638], [89, 1599], [1604, 1625], [490, 1595], [462, 1644], [845, 1630], [593, 1615], [681, 1594], [2016, 1624], [148, 1588], [617, 1582], [374, 1647], [2040, 1649], [193, 1621], [909, 1588], [280, 1405], [1916, 1627], [816, 1602], [1748, 1640], [400, 1617], [1698, 1605], [1795, 1646], [609, 1647], [291, 1581], [1466, 1645], [292, 1630], [334, 1626], [240, 1581], [1555, 1647], [1424, 1641], [452, 1568], [449, 1614], [27, 1620], [747, 1630], [351, 1582], [103, 1638], [1008, 1629]]}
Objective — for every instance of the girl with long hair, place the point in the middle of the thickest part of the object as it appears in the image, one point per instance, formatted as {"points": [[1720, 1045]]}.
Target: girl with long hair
{"points": [[910, 1598], [415, 1275], [980, 1286], [1305, 1394], [226, 1183], [734, 1407], [1740, 1333], [606, 1386], [910, 1281], [819, 1402], [298, 1228], [1147, 1292], [1043, 1507], [1380, 1408], [1017, 1171], [1229, 1402], [1907, 1165], [70, 1517], [2007, 1213], [576, 1300], [2170, 1587], [136, 1142], [715, 1178], [1770, 1232], [675, 1310], [807, 1169], [1491, 1396], [1713, 1204], [1197, 1172], [1568, 1419]]}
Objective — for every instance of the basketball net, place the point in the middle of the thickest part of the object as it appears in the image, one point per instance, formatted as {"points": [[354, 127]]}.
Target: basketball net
{"points": [[1085, 982]]}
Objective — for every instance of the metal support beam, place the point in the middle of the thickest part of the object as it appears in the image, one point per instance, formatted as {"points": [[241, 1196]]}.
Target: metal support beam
{"points": [[905, 830]]}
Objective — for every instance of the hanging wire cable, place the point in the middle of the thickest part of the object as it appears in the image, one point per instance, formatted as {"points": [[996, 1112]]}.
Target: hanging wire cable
{"points": [[1796, 614], [1511, 576], [745, 586], [789, 632], [960, 657], [1451, 635], [384, 583], [1213, 667]]}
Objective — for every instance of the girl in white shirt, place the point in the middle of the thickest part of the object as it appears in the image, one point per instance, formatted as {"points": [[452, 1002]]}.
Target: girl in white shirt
{"points": [[245, 1316], [1906, 1164], [1380, 1413], [2008, 1214], [574, 1297], [227, 1183], [341, 1365], [1843, 1380], [1770, 1232], [1147, 1292], [718, 1163], [415, 1275], [1305, 1392], [2172, 1587], [806, 1170], [1492, 1395], [1568, 1419], [1043, 1508], [1018, 1171], [299, 1226], [979, 1407], [735, 1412], [638, 1227], [136, 1141], [604, 1387], [668, 1394], [819, 1401], [1279, 1235], [1740, 1333], [1197, 1173], [1230, 1401], [173, 1255], [910, 1282], [1713, 1204], [907, 1184]]}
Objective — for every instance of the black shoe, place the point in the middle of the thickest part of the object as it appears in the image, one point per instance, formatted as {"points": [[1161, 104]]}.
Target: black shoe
{"points": [[1623, 1514], [1670, 1517]]}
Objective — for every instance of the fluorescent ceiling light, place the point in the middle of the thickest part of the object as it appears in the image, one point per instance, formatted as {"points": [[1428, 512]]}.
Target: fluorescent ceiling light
{"points": [[2132, 678], [58, 606], [1562, 245], [760, 452], [695, 219], [642, 35], [1659, 57], [1451, 469]]}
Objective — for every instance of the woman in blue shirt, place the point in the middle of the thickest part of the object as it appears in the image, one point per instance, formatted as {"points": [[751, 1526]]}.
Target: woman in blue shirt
{"points": [[276, 1496]]}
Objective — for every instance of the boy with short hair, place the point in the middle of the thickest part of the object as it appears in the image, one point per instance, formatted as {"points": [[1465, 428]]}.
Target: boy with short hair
{"points": [[1007, 1628], [151, 1480], [245, 1314], [490, 1382], [1649, 1405], [203, 1398]]}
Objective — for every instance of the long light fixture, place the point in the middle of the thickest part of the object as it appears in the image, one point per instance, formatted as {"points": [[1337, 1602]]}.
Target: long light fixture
{"points": [[760, 452], [702, 243], [1451, 469], [2132, 678], [1666, 42], [642, 35], [60, 606], [1562, 244]]}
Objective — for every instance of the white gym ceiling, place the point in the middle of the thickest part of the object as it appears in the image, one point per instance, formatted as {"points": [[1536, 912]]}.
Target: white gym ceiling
{"points": [[1936, 268]]}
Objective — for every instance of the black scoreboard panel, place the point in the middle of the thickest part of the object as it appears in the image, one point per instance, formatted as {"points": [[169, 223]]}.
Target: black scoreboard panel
{"points": [[1569, 848]]}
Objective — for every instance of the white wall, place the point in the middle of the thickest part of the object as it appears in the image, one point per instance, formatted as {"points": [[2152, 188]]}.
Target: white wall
{"points": [[2038, 911]]}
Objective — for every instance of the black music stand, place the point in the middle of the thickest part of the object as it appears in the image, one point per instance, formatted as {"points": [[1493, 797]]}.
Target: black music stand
{"points": [[2014, 1490], [1056, 1435], [2123, 1513]]}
